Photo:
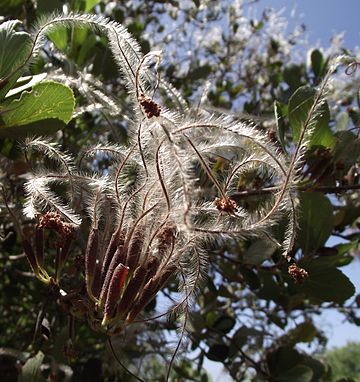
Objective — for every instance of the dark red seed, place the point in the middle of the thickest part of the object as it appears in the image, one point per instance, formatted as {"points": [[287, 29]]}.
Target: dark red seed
{"points": [[135, 247], [90, 258], [117, 239], [135, 285], [118, 258], [114, 292], [143, 299]]}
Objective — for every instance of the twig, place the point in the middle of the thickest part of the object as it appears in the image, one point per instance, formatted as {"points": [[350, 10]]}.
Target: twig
{"points": [[311, 188]]}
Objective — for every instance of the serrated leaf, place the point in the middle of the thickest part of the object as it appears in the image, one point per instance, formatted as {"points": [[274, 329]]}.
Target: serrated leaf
{"points": [[300, 104], [316, 220], [25, 83], [14, 49], [31, 370], [47, 100]]}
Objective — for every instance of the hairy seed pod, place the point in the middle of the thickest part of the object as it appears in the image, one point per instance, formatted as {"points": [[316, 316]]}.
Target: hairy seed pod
{"points": [[39, 245], [114, 292], [135, 247], [118, 258], [145, 296], [150, 290], [90, 258], [29, 252], [166, 274], [165, 237], [135, 285], [117, 239], [152, 266], [96, 285]]}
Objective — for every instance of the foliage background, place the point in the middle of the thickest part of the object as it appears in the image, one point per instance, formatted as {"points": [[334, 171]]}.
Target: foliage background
{"points": [[249, 315]]}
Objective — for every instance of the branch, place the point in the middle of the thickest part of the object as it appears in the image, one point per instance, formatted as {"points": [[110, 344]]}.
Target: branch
{"points": [[310, 188]]}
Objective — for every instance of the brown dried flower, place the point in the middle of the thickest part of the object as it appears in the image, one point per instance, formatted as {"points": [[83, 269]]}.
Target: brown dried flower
{"points": [[151, 108], [52, 220], [298, 274], [226, 205]]}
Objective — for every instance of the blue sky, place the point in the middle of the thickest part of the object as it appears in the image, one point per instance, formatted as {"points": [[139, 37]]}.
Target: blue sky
{"points": [[322, 18]]}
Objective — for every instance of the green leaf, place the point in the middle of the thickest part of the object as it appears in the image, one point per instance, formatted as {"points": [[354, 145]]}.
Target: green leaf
{"points": [[25, 83], [259, 251], [59, 37], [270, 288], [224, 324], [299, 373], [243, 333], [347, 147], [90, 4], [31, 370], [43, 127], [342, 121], [338, 256], [199, 72], [47, 100], [300, 104], [292, 76], [325, 282], [317, 62], [250, 277], [283, 358], [280, 124], [48, 6], [218, 352], [305, 332], [316, 220], [14, 49], [86, 47]]}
